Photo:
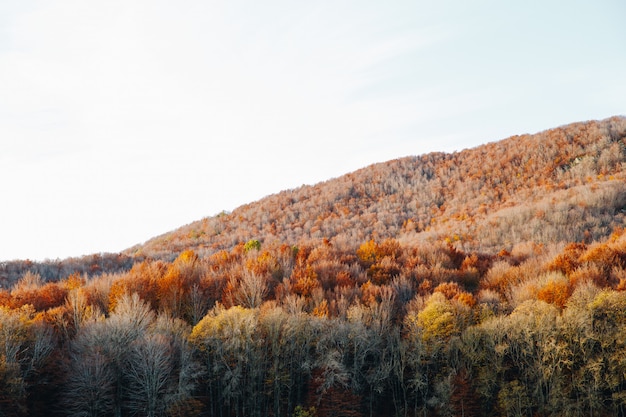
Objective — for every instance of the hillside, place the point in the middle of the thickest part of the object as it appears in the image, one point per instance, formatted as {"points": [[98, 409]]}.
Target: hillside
{"points": [[561, 185], [487, 282]]}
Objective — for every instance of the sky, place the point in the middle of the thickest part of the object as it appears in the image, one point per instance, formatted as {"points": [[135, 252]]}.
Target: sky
{"points": [[121, 120]]}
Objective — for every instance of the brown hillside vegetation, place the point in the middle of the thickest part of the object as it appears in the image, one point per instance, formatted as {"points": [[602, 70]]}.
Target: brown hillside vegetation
{"points": [[529, 188], [488, 282]]}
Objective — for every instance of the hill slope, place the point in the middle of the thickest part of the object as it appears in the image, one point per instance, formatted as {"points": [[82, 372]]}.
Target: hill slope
{"points": [[561, 185], [430, 322]]}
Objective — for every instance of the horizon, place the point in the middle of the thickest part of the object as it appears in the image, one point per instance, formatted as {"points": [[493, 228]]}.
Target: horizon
{"points": [[123, 122]]}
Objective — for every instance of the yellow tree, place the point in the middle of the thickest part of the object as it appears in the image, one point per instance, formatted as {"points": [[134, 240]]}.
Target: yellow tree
{"points": [[226, 341], [437, 319]]}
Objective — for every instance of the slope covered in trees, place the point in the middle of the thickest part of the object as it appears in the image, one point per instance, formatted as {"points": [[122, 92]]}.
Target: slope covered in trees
{"points": [[489, 296], [522, 189]]}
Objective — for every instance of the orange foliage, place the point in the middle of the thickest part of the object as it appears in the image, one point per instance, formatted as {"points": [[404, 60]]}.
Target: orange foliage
{"points": [[502, 276], [602, 255], [344, 279], [389, 247], [568, 261], [470, 262], [425, 287], [437, 195], [542, 188], [229, 297], [5, 297], [382, 272], [466, 298], [48, 296], [263, 264], [174, 287], [304, 280], [555, 292], [381, 260], [118, 289], [321, 310], [221, 259], [370, 293], [449, 289], [142, 279], [171, 289], [589, 272]]}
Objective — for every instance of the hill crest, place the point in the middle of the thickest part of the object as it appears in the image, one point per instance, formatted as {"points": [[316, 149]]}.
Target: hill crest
{"points": [[494, 196]]}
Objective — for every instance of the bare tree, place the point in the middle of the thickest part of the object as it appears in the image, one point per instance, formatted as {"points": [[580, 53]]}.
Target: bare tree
{"points": [[149, 372], [198, 304], [250, 290], [89, 391], [25, 344], [111, 340]]}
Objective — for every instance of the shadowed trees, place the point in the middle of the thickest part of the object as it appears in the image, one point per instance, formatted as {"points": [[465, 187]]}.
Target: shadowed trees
{"points": [[131, 361]]}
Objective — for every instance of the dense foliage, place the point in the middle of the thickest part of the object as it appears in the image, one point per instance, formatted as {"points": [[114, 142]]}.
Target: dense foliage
{"points": [[460, 290], [386, 329]]}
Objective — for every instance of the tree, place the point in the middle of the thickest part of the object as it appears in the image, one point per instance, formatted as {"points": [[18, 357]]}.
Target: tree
{"points": [[464, 400], [98, 369], [437, 319], [90, 389], [247, 291], [252, 244], [150, 368], [25, 345], [381, 260], [274, 328], [226, 342], [175, 287], [185, 371], [372, 347], [608, 366], [304, 280]]}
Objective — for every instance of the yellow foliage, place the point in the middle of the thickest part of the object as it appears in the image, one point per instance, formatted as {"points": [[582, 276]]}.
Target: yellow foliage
{"points": [[367, 252], [220, 322], [74, 281], [610, 306], [371, 252], [321, 310], [437, 319], [263, 264], [187, 256]]}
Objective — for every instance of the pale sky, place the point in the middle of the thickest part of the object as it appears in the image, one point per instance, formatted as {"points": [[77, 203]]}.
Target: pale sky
{"points": [[121, 120]]}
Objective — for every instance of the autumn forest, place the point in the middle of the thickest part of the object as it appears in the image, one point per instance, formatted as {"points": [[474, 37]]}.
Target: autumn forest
{"points": [[485, 282]]}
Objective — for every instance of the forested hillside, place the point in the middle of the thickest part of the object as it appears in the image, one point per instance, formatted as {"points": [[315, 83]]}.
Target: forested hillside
{"points": [[524, 188], [487, 282]]}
